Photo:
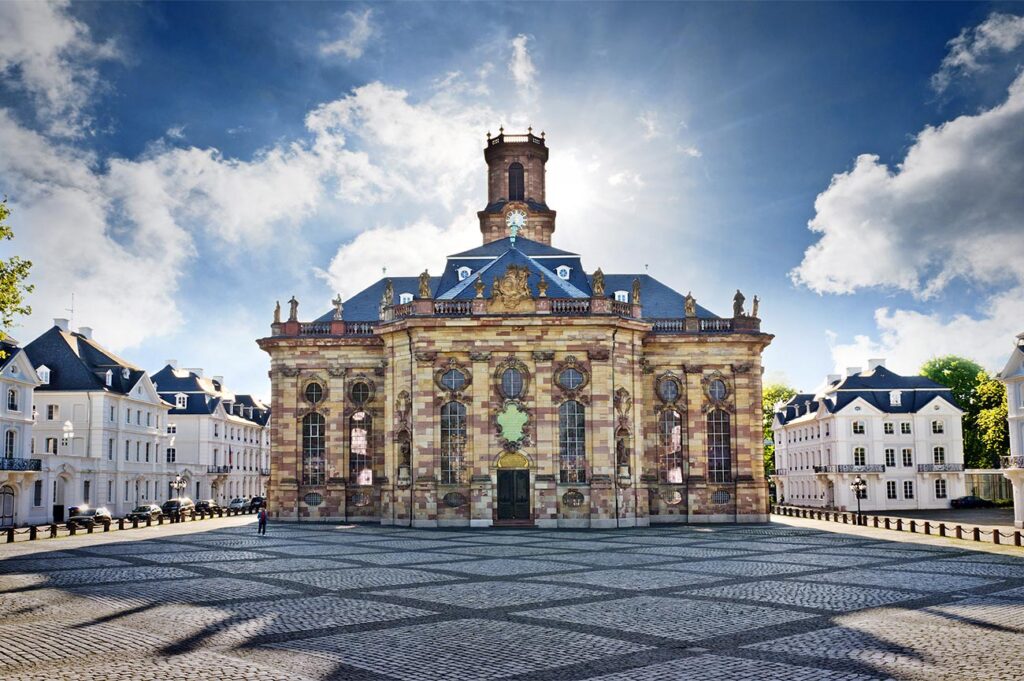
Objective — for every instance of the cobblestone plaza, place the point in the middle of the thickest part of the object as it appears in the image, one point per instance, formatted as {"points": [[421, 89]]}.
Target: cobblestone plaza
{"points": [[212, 600]]}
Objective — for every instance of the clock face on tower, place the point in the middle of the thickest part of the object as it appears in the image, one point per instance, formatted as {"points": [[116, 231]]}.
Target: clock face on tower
{"points": [[516, 218]]}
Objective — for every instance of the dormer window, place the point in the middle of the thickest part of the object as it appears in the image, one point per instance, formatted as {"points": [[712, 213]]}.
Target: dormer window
{"points": [[404, 298], [622, 296], [44, 374], [108, 378], [563, 272], [125, 373], [181, 401], [895, 398], [464, 273]]}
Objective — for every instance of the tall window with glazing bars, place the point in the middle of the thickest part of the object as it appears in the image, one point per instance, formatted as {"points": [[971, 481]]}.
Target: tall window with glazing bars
{"points": [[313, 428], [360, 459], [670, 432], [572, 455], [719, 447], [453, 442]]}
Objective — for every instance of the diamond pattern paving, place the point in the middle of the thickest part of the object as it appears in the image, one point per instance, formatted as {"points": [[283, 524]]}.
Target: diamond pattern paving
{"points": [[369, 603]]}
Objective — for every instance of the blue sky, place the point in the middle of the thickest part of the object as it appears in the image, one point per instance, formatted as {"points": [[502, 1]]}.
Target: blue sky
{"points": [[182, 166]]}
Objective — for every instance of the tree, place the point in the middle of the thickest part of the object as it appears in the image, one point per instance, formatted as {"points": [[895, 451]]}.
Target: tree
{"points": [[13, 272], [964, 378], [770, 396], [993, 430]]}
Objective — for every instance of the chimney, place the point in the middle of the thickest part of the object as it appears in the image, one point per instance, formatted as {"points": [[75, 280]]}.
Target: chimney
{"points": [[197, 372], [834, 378], [173, 363], [875, 363], [61, 323], [85, 331], [852, 371]]}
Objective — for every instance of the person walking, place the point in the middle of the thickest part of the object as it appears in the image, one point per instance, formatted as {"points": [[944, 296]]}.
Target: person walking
{"points": [[261, 517]]}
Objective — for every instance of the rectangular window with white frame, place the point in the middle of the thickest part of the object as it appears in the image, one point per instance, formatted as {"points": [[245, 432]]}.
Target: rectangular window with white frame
{"points": [[908, 489], [890, 457], [858, 428], [52, 412], [905, 427], [37, 493], [890, 489], [859, 456], [110, 449], [889, 428], [908, 457], [938, 428], [51, 445], [110, 491], [940, 489], [939, 455]]}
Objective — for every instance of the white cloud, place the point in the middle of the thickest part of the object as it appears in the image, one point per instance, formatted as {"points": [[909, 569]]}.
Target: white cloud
{"points": [[648, 120], [907, 339], [353, 44], [521, 67], [953, 208], [176, 132], [691, 151], [50, 55], [626, 177], [999, 33]]}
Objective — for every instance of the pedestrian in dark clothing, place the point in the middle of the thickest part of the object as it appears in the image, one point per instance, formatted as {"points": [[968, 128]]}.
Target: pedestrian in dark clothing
{"points": [[261, 517]]}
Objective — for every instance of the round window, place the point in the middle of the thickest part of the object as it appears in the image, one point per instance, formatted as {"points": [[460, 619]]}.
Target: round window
{"points": [[668, 389], [716, 389], [512, 383], [314, 392], [570, 379], [453, 379], [360, 392]]}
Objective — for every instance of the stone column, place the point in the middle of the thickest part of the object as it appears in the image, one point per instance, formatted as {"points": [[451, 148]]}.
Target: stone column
{"points": [[1016, 478], [696, 442], [481, 490], [424, 473]]}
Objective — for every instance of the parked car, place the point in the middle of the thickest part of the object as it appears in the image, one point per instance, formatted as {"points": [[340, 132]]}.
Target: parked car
{"points": [[180, 506], [256, 503], [239, 504], [74, 510], [207, 506], [151, 511], [90, 517], [971, 502]]}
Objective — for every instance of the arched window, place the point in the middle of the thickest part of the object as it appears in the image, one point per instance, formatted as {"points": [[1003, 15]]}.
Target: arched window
{"points": [[572, 453], [670, 432], [360, 460], [313, 432], [10, 441], [12, 399], [719, 447], [453, 442], [515, 182]]}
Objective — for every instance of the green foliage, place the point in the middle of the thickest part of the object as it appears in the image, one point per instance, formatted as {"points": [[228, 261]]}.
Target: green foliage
{"points": [[983, 400], [13, 272], [770, 395]]}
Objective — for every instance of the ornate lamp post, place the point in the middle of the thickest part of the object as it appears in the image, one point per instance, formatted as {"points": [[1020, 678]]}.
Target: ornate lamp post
{"points": [[178, 484], [858, 486]]}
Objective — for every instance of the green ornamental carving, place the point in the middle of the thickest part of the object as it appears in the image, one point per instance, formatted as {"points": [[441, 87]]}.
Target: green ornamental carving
{"points": [[511, 420]]}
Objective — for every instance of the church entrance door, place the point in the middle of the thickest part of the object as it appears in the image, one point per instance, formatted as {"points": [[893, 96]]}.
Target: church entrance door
{"points": [[514, 495]]}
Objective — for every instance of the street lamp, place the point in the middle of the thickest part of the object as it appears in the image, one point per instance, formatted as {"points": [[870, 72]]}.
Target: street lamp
{"points": [[858, 486], [178, 484]]}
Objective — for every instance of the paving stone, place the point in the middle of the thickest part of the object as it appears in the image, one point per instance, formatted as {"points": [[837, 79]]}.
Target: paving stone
{"points": [[268, 565], [438, 560], [813, 560], [632, 580], [675, 618], [834, 597], [492, 594], [512, 566], [693, 551], [192, 557], [898, 579], [610, 559], [703, 667], [202, 590], [48, 563], [737, 568], [191, 665], [91, 576], [465, 649], [966, 568], [360, 578]]}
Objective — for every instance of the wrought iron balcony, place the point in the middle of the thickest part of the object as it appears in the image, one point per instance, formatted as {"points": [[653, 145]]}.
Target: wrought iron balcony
{"points": [[11, 464], [264, 472], [780, 471], [1011, 461], [847, 468], [940, 467], [218, 469]]}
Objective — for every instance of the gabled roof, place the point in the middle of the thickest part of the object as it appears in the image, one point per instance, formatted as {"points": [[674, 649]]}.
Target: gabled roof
{"points": [[79, 363], [16, 363], [557, 288], [1015, 364], [204, 395]]}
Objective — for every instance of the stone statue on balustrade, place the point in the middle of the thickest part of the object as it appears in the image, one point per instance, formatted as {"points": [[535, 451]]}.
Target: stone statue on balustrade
{"points": [[293, 312], [425, 292], [690, 306], [597, 283], [277, 312], [737, 304]]}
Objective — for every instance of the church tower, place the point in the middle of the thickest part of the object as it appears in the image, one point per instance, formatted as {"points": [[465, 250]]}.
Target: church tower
{"points": [[515, 188]]}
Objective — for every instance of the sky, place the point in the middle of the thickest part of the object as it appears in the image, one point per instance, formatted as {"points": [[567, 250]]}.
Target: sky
{"points": [[180, 167]]}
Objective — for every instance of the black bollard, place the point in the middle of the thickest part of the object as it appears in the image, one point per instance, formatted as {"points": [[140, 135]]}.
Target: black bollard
{"points": [[33, 533], [53, 530], [10, 535]]}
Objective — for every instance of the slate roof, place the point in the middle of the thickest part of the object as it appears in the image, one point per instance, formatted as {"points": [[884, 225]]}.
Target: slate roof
{"points": [[9, 349], [78, 363], [499, 206], [872, 386], [490, 261], [203, 395]]}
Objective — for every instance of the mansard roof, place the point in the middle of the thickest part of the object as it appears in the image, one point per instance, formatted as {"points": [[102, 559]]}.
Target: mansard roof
{"points": [[79, 363], [874, 387], [203, 395], [490, 262]]}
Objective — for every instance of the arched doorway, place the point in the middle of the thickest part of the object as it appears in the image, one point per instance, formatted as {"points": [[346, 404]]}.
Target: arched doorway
{"points": [[6, 506], [513, 488], [58, 498]]}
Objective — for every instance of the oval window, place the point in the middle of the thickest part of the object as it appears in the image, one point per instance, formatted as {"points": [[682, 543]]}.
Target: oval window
{"points": [[512, 383], [570, 378], [716, 389], [360, 393], [314, 392], [453, 379], [668, 389]]}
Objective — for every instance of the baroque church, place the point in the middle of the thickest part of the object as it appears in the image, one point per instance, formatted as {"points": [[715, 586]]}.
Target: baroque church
{"points": [[517, 388]]}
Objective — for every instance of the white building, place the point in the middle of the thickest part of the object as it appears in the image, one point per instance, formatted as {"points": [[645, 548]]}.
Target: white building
{"points": [[99, 428], [223, 435], [21, 483], [901, 434], [1012, 377]]}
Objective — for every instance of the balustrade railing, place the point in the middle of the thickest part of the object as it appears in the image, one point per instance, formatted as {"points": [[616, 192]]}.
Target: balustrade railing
{"points": [[570, 306], [622, 309], [669, 325], [716, 325], [848, 468], [315, 329], [12, 464], [530, 138], [780, 471], [453, 308], [359, 329], [940, 467]]}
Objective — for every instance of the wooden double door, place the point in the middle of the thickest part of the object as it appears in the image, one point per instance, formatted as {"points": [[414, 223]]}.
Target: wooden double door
{"points": [[514, 495]]}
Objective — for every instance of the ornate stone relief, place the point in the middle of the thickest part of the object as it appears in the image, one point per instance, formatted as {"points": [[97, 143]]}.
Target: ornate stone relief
{"points": [[481, 356], [543, 355], [573, 498], [512, 460], [511, 362], [447, 393], [623, 403], [598, 354], [290, 372], [336, 370], [511, 420], [712, 401], [511, 291], [455, 499], [428, 356], [665, 392]]}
